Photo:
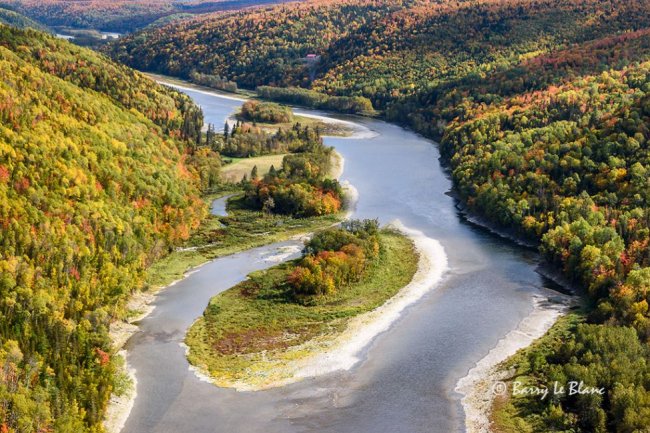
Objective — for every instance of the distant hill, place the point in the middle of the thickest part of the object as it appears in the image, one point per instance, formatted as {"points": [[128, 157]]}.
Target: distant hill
{"points": [[117, 15], [94, 186], [15, 19]]}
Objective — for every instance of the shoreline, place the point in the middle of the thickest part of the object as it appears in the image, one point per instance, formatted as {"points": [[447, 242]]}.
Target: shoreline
{"points": [[478, 386], [338, 165], [478, 220], [346, 350], [119, 407], [180, 84], [358, 131], [342, 351]]}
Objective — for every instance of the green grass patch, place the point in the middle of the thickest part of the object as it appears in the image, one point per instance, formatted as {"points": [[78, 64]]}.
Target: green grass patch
{"points": [[237, 168], [218, 236], [254, 327]]}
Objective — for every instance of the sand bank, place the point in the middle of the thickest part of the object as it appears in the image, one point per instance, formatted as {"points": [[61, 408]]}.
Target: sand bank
{"points": [[482, 381], [343, 350]]}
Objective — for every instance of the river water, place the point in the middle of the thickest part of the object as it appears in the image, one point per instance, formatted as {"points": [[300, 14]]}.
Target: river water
{"points": [[406, 379]]}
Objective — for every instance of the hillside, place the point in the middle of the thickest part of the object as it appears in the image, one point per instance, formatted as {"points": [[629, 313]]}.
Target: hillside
{"points": [[379, 49], [94, 186], [542, 112], [12, 18], [117, 15], [267, 43]]}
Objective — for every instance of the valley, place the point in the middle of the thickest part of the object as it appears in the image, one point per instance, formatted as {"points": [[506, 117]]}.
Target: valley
{"points": [[324, 215]]}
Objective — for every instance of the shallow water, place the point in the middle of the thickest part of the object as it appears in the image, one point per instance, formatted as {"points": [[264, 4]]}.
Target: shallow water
{"points": [[406, 380], [218, 206]]}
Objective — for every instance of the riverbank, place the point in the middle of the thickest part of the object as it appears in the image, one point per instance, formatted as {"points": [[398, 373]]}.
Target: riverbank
{"points": [[483, 382], [326, 126], [498, 230], [514, 413], [477, 387], [339, 128], [480, 387], [314, 340], [182, 263]]}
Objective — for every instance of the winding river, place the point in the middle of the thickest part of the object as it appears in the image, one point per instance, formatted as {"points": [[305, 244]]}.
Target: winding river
{"points": [[406, 379]]}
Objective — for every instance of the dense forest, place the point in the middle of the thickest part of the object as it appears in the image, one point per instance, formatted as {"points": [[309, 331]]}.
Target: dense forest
{"points": [[265, 112], [244, 140], [12, 18], [381, 50], [569, 165], [542, 111], [99, 176], [119, 15], [263, 46]]}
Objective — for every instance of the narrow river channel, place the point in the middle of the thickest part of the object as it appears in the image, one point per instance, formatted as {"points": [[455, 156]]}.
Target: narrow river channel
{"points": [[406, 379]]}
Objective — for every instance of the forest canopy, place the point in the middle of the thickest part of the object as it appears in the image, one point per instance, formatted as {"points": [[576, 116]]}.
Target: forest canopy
{"points": [[118, 15]]}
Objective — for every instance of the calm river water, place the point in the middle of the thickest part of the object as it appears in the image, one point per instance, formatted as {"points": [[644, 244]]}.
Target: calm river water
{"points": [[406, 380]]}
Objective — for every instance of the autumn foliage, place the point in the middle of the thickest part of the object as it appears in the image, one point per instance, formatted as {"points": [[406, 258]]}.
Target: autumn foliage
{"points": [[300, 187], [114, 15], [335, 258], [265, 112]]}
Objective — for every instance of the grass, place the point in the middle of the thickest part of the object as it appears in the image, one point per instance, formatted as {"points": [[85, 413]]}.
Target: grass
{"points": [[242, 229], [516, 414], [249, 331], [238, 167]]}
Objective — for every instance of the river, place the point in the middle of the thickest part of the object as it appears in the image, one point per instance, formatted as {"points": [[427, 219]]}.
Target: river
{"points": [[406, 379]]}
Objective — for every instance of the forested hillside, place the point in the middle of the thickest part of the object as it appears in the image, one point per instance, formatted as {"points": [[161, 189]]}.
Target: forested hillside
{"points": [[542, 109], [262, 46], [570, 165], [118, 15], [95, 184], [383, 50], [12, 18]]}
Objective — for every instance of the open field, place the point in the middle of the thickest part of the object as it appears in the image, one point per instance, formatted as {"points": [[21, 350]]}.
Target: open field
{"points": [[235, 171]]}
